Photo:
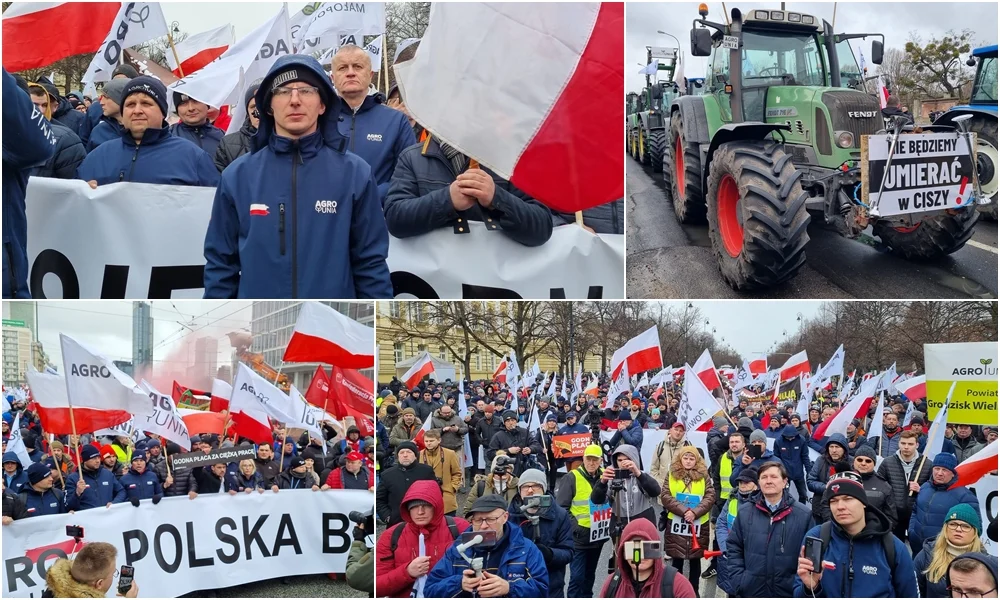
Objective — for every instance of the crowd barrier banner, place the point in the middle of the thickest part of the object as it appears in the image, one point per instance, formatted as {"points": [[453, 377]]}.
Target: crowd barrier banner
{"points": [[182, 545], [133, 240], [974, 366]]}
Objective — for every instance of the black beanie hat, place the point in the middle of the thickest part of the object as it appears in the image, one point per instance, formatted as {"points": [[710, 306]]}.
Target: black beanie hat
{"points": [[848, 483], [251, 92], [150, 86], [407, 446], [127, 70]]}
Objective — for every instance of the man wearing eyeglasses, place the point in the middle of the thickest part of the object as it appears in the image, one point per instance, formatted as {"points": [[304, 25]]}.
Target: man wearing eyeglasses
{"points": [[973, 575], [861, 557], [512, 566], [298, 217], [89, 575]]}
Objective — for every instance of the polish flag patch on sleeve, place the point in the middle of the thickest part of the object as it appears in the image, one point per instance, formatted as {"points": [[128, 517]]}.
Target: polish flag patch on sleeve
{"points": [[259, 209]]}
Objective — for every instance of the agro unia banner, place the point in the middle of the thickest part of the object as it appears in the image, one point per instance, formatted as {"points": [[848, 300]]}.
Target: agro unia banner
{"points": [[182, 545], [103, 243], [974, 366]]}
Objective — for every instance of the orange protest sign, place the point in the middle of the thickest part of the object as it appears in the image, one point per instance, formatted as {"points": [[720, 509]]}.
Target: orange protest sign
{"points": [[570, 445]]}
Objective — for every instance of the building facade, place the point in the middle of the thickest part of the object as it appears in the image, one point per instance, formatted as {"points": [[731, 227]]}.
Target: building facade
{"points": [[272, 323], [142, 337], [24, 311], [17, 354], [398, 338]]}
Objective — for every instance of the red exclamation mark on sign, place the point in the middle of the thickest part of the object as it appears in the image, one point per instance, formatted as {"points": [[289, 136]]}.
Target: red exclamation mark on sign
{"points": [[961, 190]]}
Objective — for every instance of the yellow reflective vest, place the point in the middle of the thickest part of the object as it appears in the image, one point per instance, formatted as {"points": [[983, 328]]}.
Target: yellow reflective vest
{"points": [[697, 489]]}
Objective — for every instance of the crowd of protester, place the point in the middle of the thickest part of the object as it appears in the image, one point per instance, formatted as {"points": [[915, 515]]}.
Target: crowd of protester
{"points": [[890, 524]]}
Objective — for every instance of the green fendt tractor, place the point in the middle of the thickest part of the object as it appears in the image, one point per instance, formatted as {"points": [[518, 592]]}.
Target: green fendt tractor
{"points": [[777, 132], [645, 126]]}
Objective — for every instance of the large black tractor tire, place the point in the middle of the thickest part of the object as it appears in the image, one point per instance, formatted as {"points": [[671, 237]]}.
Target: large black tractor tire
{"points": [[685, 174], [633, 144], [657, 140], [931, 238], [644, 146], [986, 128], [757, 218]]}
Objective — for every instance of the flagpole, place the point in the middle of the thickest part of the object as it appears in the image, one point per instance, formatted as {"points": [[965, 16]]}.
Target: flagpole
{"points": [[385, 62], [177, 58], [58, 467]]}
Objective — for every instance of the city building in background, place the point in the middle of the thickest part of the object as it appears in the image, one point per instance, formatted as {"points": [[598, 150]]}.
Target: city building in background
{"points": [[272, 324], [17, 345], [24, 311], [206, 359], [125, 366], [142, 337]]}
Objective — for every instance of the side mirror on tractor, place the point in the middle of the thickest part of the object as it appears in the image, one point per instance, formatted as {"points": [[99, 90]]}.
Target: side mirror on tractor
{"points": [[657, 92], [877, 51], [701, 42]]}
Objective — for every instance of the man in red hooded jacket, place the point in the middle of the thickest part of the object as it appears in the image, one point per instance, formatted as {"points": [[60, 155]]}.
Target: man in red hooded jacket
{"points": [[422, 511], [651, 578]]}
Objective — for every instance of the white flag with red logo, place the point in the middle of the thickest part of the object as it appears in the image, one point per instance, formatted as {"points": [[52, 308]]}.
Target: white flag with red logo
{"points": [[566, 121], [200, 49], [618, 387], [641, 352], [422, 367], [323, 334]]}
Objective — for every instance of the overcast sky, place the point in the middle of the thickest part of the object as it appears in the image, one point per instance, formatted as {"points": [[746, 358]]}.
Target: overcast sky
{"points": [[893, 19], [107, 326], [195, 17], [752, 326]]}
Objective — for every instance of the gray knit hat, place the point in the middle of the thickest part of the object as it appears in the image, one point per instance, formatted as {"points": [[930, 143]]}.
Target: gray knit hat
{"points": [[745, 422], [533, 476], [758, 435], [114, 89]]}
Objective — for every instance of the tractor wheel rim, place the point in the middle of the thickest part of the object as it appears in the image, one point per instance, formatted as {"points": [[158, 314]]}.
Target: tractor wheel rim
{"points": [[986, 159], [679, 165], [730, 223]]}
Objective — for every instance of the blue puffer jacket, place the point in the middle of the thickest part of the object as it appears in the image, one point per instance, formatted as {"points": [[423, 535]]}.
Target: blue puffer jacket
{"points": [[762, 550], [377, 134], [19, 480], [722, 529], [317, 230], [28, 142], [738, 466], [555, 532], [104, 488], [931, 507], [207, 136], [921, 562], [50, 502], [864, 555], [631, 435], [105, 131], [66, 115], [514, 558], [93, 116], [142, 486], [159, 158], [69, 154], [794, 452]]}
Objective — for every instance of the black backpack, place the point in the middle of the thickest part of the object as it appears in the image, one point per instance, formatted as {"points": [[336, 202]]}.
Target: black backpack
{"points": [[397, 532], [666, 584], [888, 542]]}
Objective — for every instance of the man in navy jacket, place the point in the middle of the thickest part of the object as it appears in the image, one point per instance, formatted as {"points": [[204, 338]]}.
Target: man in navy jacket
{"points": [[299, 216], [95, 485], [375, 132]]}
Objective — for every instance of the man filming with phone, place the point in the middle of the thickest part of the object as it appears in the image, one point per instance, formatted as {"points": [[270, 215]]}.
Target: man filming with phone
{"points": [[640, 569], [546, 524], [90, 575], [857, 548], [632, 493]]}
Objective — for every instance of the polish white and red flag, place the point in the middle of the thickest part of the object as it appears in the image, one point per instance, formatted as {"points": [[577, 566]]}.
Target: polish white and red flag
{"points": [[704, 368], [758, 366], [855, 409], [422, 367], [251, 393], [913, 388], [500, 375], [200, 49], [795, 366], [323, 334], [566, 121], [977, 466], [37, 34], [642, 353], [48, 394], [221, 392], [883, 93], [419, 438]]}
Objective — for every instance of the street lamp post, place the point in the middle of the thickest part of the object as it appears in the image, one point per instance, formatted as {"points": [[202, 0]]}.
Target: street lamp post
{"points": [[671, 36]]}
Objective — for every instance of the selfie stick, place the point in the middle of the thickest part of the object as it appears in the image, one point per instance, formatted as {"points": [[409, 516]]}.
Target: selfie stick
{"points": [[475, 563]]}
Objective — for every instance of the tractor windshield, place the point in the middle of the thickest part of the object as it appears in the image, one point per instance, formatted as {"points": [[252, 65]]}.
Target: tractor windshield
{"points": [[850, 73], [984, 91], [781, 58]]}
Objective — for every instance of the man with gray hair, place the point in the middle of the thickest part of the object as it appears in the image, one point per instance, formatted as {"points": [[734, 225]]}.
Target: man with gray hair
{"points": [[376, 133]]}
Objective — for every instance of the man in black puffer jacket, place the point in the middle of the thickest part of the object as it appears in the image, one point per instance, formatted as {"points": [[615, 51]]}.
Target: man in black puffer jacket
{"points": [[235, 145], [878, 489]]}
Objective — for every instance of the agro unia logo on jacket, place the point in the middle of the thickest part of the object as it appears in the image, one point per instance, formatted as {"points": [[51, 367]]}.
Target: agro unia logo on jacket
{"points": [[984, 368]]}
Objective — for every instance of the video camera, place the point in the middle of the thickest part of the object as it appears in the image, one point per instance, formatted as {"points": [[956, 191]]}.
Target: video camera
{"points": [[502, 462], [364, 526]]}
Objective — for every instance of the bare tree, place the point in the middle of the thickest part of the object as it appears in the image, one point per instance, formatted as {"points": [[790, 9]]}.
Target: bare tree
{"points": [[404, 20], [899, 73]]}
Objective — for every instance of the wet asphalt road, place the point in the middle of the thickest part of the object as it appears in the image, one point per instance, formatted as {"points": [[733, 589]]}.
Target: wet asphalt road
{"points": [[666, 259]]}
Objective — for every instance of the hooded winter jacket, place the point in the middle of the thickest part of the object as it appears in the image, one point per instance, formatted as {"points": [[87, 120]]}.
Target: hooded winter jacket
{"points": [[69, 153], [862, 568], [921, 562], [880, 496], [889, 442], [103, 488], [28, 143], [513, 558], [652, 587], [105, 131], [682, 545], [639, 494], [234, 145], [378, 134], [793, 450], [932, 506], [297, 218], [158, 158], [14, 483], [67, 116], [207, 136], [820, 473], [555, 533], [393, 580], [419, 201], [61, 584], [762, 549]]}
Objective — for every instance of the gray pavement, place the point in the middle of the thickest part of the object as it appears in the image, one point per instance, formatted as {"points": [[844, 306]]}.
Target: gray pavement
{"points": [[668, 260]]}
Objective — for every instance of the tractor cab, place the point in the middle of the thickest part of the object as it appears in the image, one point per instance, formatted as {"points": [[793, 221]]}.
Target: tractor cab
{"points": [[984, 87], [695, 86], [784, 67]]}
